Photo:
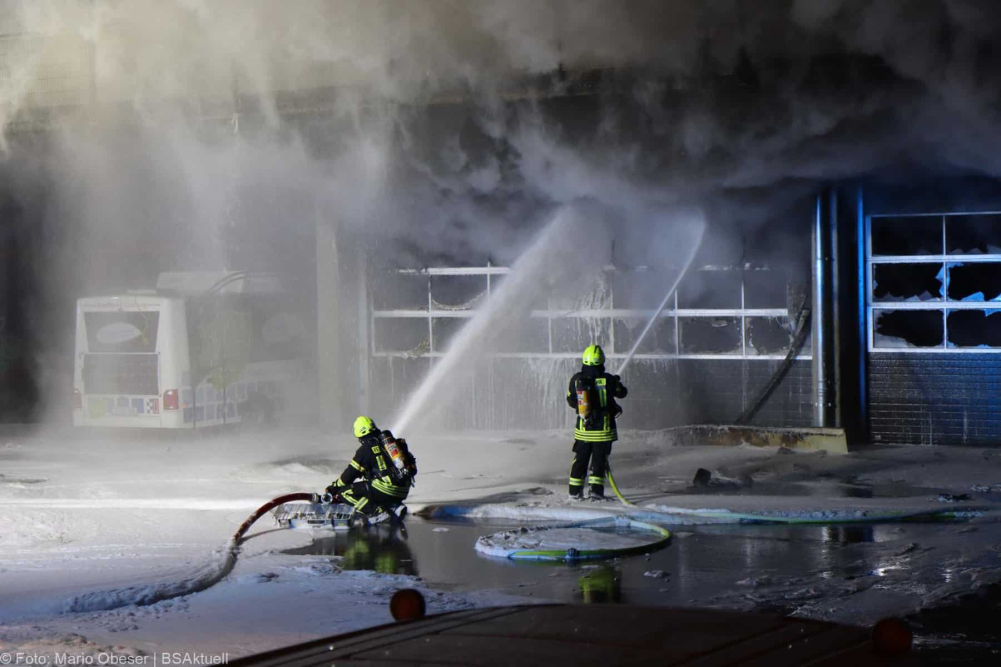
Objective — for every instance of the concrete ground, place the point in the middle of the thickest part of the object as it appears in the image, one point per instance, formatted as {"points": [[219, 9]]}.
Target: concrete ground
{"points": [[93, 514]]}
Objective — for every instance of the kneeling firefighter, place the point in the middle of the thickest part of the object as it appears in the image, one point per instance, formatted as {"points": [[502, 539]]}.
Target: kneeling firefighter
{"points": [[387, 469], [592, 394]]}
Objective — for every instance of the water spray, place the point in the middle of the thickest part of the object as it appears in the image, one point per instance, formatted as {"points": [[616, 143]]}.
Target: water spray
{"points": [[548, 259], [646, 330], [667, 297]]}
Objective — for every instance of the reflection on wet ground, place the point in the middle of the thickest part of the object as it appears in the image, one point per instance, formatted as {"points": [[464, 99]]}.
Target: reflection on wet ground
{"points": [[699, 563], [764, 567], [382, 549]]}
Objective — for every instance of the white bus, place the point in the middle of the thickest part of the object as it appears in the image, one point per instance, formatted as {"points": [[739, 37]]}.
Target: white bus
{"points": [[203, 349]]}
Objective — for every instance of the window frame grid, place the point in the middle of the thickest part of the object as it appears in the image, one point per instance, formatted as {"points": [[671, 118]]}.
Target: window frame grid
{"points": [[945, 305], [612, 315]]}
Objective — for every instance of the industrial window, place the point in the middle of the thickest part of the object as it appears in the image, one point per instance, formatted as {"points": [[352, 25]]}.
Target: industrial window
{"points": [[418, 313], [934, 282]]}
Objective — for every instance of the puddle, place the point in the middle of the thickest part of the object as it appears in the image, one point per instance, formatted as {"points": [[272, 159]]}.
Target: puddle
{"points": [[382, 549], [765, 567], [698, 564]]}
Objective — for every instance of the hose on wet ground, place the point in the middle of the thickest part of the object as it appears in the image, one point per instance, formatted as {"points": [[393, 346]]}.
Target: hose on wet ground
{"points": [[660, 535], [615, 487], [264, 509], [205, 577]]}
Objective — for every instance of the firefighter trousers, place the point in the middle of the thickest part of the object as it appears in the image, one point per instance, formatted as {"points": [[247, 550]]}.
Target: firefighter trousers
{"points": [[366, 499], [597, 453]]}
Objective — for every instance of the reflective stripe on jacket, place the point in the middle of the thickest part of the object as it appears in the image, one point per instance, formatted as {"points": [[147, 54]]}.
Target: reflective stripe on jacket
{"points": [[608, 389]]}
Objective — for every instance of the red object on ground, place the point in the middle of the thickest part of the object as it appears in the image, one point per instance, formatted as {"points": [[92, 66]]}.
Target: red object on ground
{"points": [[407, 605], [891, 637]]}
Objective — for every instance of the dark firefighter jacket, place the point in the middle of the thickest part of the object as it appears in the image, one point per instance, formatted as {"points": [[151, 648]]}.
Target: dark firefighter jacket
{"points": [[608, 388], [372, 462]]}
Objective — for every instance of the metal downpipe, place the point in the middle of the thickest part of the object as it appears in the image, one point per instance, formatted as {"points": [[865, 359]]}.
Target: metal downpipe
{"points": [[818, 318]]}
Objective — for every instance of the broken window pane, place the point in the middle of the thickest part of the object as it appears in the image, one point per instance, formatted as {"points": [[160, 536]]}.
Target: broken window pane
{"points": [[643, 290], [710, 335], [399, 291], [908, 328], [975, 281], [765, 289], [444, 329], [973, 234], [409, 334], [573, 334], [907, 235], [974, 328], [708, 289], [659, 340], [768, 335], [528, 334], [585, 292], [458, 292], [907, 282]]}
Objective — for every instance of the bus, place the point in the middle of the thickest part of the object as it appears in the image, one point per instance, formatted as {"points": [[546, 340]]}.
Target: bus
{"points": [[202, 349]]}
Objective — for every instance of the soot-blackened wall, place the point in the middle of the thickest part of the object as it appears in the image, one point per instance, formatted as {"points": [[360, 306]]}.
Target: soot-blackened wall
{"points": [[530, 393]]}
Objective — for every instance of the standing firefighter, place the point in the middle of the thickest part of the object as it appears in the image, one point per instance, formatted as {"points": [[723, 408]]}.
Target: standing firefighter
{"points": [[387, 468], [592, 394]]}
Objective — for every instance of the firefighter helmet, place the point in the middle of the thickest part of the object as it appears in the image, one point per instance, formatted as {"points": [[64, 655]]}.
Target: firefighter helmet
{"points": [[364, 426], [594, 356]]}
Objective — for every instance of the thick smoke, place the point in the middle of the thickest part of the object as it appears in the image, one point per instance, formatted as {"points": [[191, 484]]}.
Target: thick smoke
{"points": [[167, 141]]}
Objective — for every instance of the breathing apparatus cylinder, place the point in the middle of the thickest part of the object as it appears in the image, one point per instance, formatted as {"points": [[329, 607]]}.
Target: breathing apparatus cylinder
{"points": [[587, 407], [392, 450]]}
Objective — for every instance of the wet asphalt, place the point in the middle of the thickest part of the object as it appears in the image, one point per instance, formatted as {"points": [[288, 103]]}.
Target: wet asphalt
{"points": [[725, 566]]}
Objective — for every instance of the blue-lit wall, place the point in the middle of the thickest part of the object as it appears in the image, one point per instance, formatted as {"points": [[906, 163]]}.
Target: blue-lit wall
{"points": [[935, 399], [952, 398]]}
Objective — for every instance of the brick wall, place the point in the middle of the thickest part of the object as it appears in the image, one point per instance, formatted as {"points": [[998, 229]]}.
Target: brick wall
{"points": [[935, 398], [717, 391]]}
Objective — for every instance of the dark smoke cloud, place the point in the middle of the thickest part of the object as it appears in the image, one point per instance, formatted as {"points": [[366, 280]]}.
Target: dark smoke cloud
{"points": [[656, 144], [423, 153]]}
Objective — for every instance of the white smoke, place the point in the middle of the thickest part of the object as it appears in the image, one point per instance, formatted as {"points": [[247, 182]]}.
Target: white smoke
{"points": [[177, 125]]}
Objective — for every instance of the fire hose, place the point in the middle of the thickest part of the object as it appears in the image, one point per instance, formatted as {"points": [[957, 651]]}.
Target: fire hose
{"points": [[264, 509], [204, 577], [615, 488]]}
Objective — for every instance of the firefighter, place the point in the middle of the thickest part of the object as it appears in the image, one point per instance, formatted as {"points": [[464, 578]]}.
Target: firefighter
{"points": [[593, 393], [379, 477]]}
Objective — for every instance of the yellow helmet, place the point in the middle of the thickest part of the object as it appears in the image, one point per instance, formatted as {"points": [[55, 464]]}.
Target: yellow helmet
{"points": [[364, 426], [594, 356]]}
